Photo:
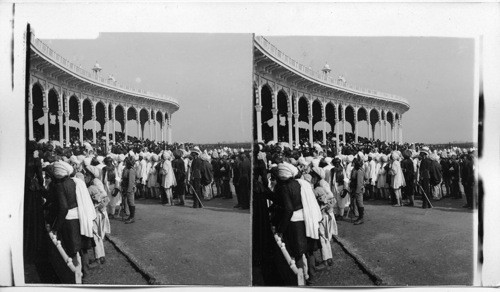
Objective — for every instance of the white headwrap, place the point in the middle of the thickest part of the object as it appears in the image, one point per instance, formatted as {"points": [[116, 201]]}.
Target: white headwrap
{"points": [[286, 171], [62, 169]]}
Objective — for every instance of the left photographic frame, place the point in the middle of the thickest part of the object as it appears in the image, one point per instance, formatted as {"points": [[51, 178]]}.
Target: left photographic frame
{"points": [[126, 186]]}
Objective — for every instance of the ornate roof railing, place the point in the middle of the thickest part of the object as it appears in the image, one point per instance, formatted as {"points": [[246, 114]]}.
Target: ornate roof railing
{"points": [[79, 71], [321, 77]]}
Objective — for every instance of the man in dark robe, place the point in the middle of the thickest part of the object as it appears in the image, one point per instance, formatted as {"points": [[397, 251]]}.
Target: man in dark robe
{"points": [[468, 180], [424, 174], [244, 181], [196, 166], [180, 177]]}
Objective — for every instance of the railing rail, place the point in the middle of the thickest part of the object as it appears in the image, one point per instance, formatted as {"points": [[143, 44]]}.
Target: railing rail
{"points": [[291, 262], [54, 56], [68, 260], [273, 50]]}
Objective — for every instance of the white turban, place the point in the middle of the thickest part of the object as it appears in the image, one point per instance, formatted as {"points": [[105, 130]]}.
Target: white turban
{"points": [[62, 169], [286, 171]]}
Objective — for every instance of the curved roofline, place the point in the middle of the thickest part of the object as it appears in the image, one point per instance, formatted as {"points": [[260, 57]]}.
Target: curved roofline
{"points": [[284, 60], [44, 50]]}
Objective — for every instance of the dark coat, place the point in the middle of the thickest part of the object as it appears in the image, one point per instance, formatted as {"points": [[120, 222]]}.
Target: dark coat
{"points": [[408, 171]]}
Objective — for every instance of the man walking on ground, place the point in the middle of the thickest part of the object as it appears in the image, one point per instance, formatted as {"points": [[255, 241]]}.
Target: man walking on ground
{"points": [[196, 168]]}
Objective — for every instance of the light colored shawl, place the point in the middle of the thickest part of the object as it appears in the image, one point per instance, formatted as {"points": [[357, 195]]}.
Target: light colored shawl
{"points": [[312, 212], [86, 211]]}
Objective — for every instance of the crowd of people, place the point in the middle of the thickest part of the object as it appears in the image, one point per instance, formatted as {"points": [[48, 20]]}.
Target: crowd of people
{"points": [[309, 188], [75, 189]]}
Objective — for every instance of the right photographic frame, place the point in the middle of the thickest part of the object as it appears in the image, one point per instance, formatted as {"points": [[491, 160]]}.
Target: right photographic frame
{"points": [[365, 161]]}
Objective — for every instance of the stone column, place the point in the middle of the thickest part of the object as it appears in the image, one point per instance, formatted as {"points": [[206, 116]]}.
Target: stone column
{"points": [[30, 121], [311, 127], [66, 115], [401, 129], [61, 131], [94, 120], [356, 125], [106, 123], [386, 134], [139, 130], [150, 126], [380, 120], [154, 125], [275, 124], [80, 117], [258, 114], [162, 127], [296, 128], [31, 135], [290, 131], [336, 129], [125, 116], [369, 128], [167, 124], [342, 110], [169, 129], [46, 123], [394, 131], [324, 130], [113, 122]]}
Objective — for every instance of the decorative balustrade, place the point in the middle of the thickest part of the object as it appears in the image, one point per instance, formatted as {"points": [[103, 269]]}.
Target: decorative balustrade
{"points": [[77, 70], [275, 52]]}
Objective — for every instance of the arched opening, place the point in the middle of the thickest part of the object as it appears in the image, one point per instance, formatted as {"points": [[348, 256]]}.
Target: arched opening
{"points": [[374, 120], [131, 124], [159, 125], [144, 118], [38, 122], [87, 120], [100, 111], [109, 124], [53, 99], [303, 120], [74, 119], [294, 110], [282, 117], [266, 113], [341, 115], [390, 120], [317, 121], [363, 128], [330, 120], [349, 120], [120, 123]]}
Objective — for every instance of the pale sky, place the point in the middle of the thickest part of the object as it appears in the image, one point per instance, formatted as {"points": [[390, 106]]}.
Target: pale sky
{"points": [[436, 76], [209, 74]]}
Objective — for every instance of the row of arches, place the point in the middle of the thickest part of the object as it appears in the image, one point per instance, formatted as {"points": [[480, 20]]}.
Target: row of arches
{"points": [[280, 117], [87, 120]]}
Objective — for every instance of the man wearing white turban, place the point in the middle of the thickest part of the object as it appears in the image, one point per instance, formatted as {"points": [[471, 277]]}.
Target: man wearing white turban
{"points": [[75, 214]]}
